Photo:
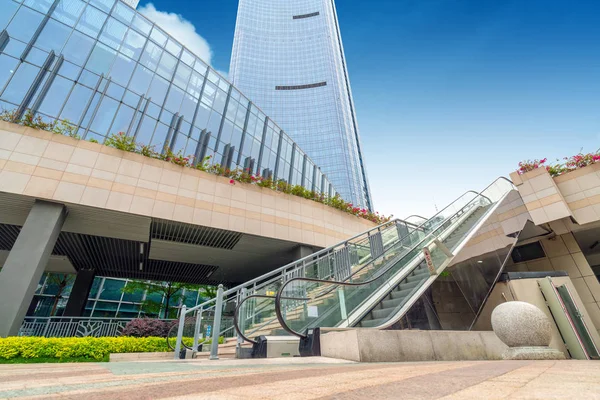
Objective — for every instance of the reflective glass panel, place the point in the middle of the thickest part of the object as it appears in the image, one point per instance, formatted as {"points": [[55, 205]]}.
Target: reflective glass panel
{"points": [[76, 104], [133, 44], [56, 96], [101, 59], [20, 83], [24, 24], [113, 33], [104, 116], [78, 48], [53, 37], [91, 21], [68, 11]]}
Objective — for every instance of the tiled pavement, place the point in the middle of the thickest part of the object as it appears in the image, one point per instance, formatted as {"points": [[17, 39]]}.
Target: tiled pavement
{"points": [[314, 378]]}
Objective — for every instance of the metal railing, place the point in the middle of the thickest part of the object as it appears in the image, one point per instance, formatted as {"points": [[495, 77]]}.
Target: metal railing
{"points": [[73, 326]]}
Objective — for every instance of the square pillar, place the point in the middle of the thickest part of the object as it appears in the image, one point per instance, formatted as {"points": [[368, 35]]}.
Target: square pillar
{"points": [[80, 293], [26, 263]]}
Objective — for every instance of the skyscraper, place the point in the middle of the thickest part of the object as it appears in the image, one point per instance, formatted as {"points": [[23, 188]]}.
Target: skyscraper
{"points": [[289, 59]]}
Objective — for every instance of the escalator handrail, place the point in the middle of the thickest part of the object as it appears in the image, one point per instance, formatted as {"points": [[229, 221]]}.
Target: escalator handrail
{"points": [[237, 310], [279, 296]]}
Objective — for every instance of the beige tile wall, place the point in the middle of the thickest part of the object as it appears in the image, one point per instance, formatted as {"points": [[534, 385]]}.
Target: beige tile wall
{"points": [[510, 217], [581, 190], [541, 196], [48, 166], [563, 254]]}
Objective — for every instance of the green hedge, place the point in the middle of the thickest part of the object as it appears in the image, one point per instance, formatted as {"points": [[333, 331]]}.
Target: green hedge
{"points": [[90, 348]]}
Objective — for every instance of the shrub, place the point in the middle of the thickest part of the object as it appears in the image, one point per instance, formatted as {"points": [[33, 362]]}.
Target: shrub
{"points": [[87, 347], [147, 327], [121, 141]]}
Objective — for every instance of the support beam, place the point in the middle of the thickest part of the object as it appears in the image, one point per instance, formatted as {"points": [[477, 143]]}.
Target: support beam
{"points": [[80, 293], [26, 263]]}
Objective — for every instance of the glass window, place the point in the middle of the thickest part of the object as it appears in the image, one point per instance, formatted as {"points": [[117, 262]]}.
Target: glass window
{"points": [[141, 80], [182, 76], [122, 121], [123, 13], [111, 289], [68, 11], [76, 103], [113, 33], [89, 79], [158, 90], [122, 70], [56, 96], [7, 68], [24, 24], [37, 57], [78, 47], [133, 44], [174, 99], [188, 107], [101, 59], [141, 24], [128, 310], [166, 117], [39, 5], [104, 5], [151, 56], [115, 91], [209, 94], [202, 116], [91, 21], [187, 57], [20, 83], [14, 48], [131, 99], [53, 37], [105, 309], [8, 10], [104, 116], [146, 130], [167, 66], [195, 86], [69, 70], [200, 66], [173, 47], [160, 135], [153, 110], [158, 36]]}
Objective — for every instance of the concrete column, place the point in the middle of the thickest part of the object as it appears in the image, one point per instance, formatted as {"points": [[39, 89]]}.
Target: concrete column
{"points": [[26, 263], [301, 252], [80, 293]]}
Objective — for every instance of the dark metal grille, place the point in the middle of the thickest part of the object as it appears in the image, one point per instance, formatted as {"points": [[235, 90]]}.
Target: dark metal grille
{"points": [[306, 15], [193, 234], [299, 87]]}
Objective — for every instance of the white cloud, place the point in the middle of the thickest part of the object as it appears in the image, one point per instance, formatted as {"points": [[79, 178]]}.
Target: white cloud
{"points": [[181, 29]]}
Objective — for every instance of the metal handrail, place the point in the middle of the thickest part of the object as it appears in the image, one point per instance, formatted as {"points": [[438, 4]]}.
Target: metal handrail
{"points": [[239, 306], [279, 296]]}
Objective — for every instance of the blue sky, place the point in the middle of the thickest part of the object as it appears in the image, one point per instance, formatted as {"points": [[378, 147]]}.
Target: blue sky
{"points": [[451, 94]]}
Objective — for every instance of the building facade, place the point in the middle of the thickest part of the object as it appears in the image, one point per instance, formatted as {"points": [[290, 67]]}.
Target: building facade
{"points": [[288, 57], [105, 68], [105, 300]]}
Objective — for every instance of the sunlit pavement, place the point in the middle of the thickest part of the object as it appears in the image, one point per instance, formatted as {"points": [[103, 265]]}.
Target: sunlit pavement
{"points": [[303, 378]]}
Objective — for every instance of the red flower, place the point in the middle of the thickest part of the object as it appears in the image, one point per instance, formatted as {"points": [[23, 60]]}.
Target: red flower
{"points": [[232, 181]]}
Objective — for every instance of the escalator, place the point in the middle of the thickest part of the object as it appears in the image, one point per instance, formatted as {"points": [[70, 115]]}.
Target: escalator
{"points": [[369, 280], [378, 294]]}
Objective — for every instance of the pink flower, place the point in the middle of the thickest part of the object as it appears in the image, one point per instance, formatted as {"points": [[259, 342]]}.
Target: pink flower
{"points": [[232, 181]]}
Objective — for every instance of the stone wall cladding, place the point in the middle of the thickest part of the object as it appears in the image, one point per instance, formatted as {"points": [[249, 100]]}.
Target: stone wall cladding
{"points": [[48, 166]]}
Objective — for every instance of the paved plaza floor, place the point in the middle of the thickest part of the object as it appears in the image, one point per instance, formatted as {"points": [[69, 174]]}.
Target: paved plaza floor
{"points": [[303, 378]]}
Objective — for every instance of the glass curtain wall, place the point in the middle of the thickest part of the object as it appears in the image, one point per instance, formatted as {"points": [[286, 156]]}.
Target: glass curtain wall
{"points": [[105, 300], [107, 69]]}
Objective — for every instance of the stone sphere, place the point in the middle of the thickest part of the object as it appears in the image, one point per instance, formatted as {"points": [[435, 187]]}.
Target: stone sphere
{"points": [[520, 324]]}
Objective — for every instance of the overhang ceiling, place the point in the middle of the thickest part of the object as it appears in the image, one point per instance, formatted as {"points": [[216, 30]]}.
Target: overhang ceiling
{"points": [[129, 246]]}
